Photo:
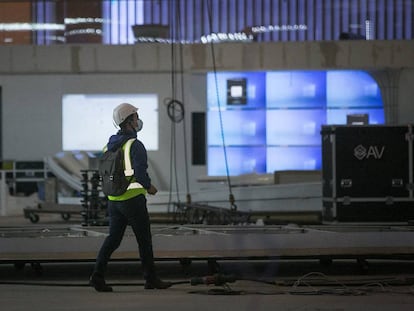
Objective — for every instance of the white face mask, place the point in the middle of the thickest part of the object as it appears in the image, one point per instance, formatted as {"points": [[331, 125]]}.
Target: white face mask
{"points": [[140, 125]]}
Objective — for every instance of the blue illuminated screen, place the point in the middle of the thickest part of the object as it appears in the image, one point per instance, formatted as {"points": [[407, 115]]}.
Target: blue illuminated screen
{"points": [[237, 128], [278, 126]]}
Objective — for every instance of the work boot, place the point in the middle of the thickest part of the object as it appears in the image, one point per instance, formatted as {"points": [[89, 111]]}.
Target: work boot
{"points": [[157, 284], [98, 282]]}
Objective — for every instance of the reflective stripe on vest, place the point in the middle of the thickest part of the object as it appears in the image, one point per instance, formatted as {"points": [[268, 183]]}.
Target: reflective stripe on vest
{"points": [[129, 171]]}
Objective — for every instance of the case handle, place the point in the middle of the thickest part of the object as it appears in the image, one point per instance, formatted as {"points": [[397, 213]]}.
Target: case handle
{"points": [[346, 183]]}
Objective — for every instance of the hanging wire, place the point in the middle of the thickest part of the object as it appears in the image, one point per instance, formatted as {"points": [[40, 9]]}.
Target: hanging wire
{"points": [[181, 59], [175, 108], [173, 164], [210, 20], [184, 123]]}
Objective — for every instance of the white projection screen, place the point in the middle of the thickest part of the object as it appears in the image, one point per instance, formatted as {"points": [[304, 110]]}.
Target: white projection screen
{"points": [[87, 119]]}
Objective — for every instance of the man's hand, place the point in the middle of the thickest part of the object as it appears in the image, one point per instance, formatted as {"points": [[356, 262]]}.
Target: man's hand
{"points": [[152, 190]]}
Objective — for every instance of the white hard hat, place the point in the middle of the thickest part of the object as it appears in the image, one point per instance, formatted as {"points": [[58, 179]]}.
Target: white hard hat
{"points": [[123, 111]]}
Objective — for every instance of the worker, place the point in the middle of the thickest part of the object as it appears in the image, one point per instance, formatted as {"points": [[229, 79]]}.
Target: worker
{"points": [[129, 207]]}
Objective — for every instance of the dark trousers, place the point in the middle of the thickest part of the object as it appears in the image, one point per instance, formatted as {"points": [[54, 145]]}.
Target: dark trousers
{"points": [[131, 212]]}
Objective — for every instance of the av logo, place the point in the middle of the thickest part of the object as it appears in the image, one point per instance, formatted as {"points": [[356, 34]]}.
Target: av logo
{"points": [[372, 152]]}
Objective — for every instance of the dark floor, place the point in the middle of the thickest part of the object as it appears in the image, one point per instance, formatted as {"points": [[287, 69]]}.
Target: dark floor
{"points": [[259, 285]]}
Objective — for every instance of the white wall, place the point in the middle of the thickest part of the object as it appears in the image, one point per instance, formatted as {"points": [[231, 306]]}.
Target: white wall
{"points": [[406, 97], [32, 112]]}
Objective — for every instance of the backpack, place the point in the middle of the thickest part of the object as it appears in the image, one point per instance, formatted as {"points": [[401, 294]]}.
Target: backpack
{"points": [[114, 177]]}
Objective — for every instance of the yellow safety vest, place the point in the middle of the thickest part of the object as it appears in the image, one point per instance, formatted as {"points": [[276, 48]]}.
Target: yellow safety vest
{"points": [[135, 188]]}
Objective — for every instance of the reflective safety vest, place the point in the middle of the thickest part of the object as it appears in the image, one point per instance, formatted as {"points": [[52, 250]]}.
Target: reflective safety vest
{"points": [[135, 188]]}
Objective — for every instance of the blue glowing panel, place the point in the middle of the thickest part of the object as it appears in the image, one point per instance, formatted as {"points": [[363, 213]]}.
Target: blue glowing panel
{"points": [[294, 126], [293, 158], [217, 89], [240, 127], [296, 89], [240, 160], [279, 127], [338, 116], [352, 89]]}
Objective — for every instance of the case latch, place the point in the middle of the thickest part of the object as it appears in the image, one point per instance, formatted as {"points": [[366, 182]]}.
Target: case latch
{"points": [[346, 183]]}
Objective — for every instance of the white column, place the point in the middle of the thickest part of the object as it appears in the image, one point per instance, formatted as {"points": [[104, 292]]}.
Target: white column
{"points": [[389, 80]]}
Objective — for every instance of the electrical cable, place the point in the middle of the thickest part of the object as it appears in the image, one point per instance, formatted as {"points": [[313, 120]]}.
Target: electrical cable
{"points": [[184, 129], [175, 110], [181, 58], [175, 107], [213, 56], [304, 285], [171, 113]]}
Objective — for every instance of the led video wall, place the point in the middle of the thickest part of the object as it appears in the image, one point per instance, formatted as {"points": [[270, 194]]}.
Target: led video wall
{"points": [[271, 121]]}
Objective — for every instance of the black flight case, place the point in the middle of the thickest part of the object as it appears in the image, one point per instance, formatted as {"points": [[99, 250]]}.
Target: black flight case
{"points": [[367, 173]]}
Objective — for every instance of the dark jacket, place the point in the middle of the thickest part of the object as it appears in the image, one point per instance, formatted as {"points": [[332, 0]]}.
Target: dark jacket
{"points": [[138, 155]]}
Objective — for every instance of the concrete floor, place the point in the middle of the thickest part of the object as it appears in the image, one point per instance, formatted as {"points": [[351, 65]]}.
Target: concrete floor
{"points": [[299, 285]]}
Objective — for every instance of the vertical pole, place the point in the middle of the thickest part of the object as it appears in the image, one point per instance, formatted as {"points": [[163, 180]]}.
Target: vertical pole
{"points": [[1, 125], [410, 136], [334, 177], [3, 193]]}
